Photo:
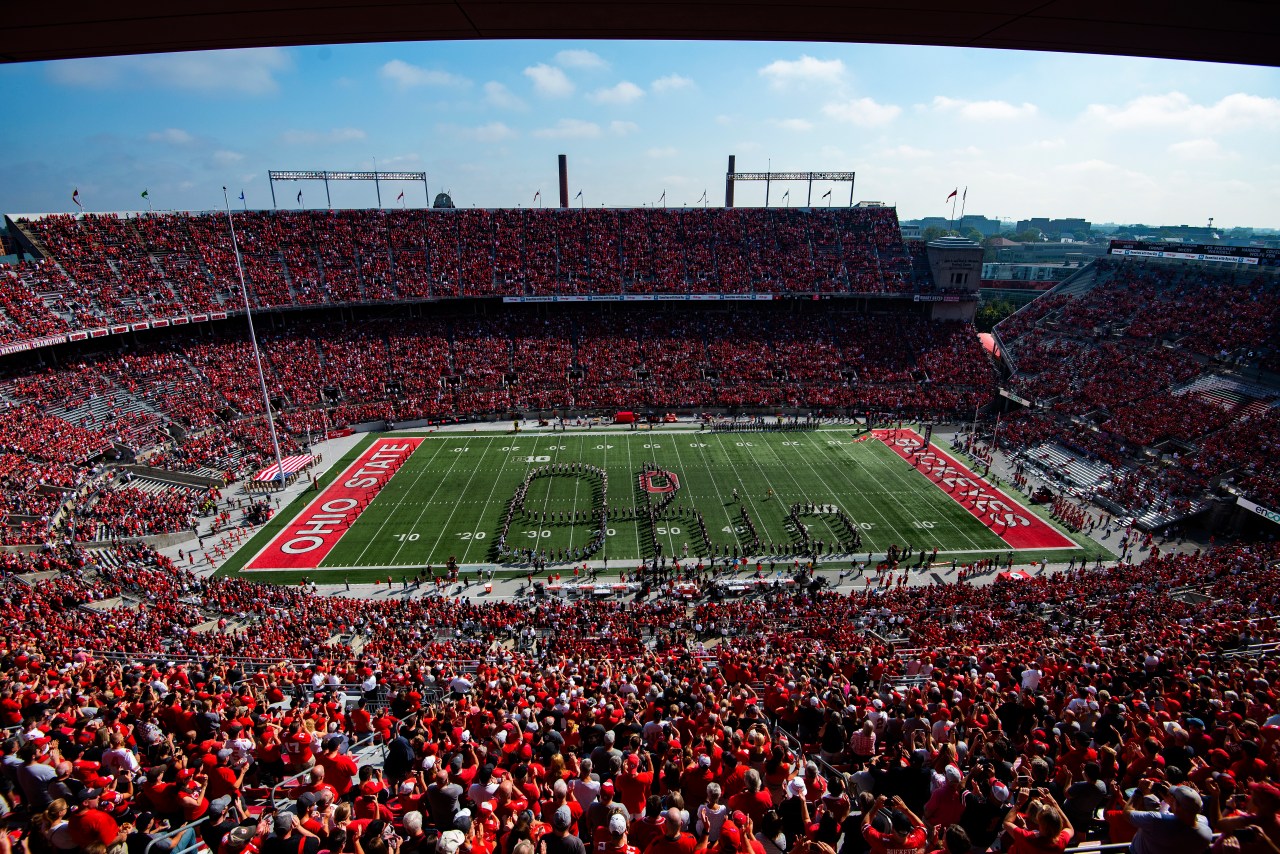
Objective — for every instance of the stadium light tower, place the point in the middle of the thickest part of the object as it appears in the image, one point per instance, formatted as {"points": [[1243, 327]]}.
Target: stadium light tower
{"points": [[253, 338]]}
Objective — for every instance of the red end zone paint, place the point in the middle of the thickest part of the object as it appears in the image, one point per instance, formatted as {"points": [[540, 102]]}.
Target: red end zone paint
{"points": [[1008, 519], [313, 533]]}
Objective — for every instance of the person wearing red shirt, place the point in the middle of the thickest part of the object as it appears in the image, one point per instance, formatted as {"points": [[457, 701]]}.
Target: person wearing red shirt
{"points": [[361, 721], [673, 840], [192, 796], [911, 840], [223, 781], [90, 826], [649, 826], [634, 781], [753, 799], [617, 841], [560, 798], [318, 784], [1053, 830], [339, 768], [693, 782], [297, 749]]}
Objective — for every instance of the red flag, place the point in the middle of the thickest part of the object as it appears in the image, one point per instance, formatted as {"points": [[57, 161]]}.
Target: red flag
{"points": [[952, 196], [75, 197], [401, 196]]}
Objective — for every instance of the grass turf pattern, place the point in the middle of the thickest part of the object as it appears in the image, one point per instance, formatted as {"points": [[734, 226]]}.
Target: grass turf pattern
{"points": [[450, 498]]}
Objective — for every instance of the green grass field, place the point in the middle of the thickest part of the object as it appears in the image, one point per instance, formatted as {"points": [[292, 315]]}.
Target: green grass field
{"points": [[450, 498]]}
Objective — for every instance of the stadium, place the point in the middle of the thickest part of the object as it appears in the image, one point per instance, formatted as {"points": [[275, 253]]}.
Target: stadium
{"points": [[467, 529]]}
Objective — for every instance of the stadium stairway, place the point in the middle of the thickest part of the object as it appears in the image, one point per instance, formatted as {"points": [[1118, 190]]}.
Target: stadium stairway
{"points": [[1230, 392], [1064, 465], [1080, 282], [1158, 517]]}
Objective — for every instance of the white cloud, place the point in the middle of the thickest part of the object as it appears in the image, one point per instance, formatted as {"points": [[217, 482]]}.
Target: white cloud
{"points": [[619, 128], [1176, 110], [492, 132], [570, 129], [1048, 144], [670, 83], [723, 120], [908, 152], [665, 151], [864, 112], [549, 80], [624, 93], [1197, 149], [794, 124], [312, 137], [398, 161], [580, 59], [784, 73], [172, 136], [245, 72], [222, 158], [408, 76], [500, 96], [985, 111]]}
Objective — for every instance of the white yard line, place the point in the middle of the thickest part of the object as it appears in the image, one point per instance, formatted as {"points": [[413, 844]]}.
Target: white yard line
{"points": [[444, 529]]}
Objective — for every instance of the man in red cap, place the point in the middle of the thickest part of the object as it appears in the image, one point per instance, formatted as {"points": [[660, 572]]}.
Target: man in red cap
{"points": [[634, 781]]}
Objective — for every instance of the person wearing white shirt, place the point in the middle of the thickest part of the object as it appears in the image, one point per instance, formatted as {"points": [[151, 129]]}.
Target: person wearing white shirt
{"points": [[1031, 679]]}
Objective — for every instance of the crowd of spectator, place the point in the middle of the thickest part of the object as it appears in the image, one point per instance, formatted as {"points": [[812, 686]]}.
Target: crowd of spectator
{"points": [[1112, 365], [1090, 706], [106, 269]]}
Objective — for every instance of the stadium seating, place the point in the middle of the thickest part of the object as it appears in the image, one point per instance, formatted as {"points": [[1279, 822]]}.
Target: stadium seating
{"points": [[1126, 363], [830, 699], [109, 270]]}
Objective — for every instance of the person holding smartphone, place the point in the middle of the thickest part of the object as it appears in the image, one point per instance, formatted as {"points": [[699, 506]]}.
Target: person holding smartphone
{"points": [[1037, 823]]}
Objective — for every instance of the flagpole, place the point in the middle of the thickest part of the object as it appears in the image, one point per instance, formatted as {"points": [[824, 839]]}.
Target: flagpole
{"points": [[953, 212], [963, 199], [253, 338]]}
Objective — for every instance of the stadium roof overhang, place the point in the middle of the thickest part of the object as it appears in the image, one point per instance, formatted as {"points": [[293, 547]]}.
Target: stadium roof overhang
{"points": [[1238, 31]]}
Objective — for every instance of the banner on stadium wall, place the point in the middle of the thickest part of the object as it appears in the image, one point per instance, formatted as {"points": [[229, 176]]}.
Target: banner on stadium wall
{"points": [[1004, 392], [181, 321], [78, 336], [97, 333], [119, 330], [643, 298], [218, 315], [199, 318], [928, 298], [159, 324], [1269, 515], [1252, 255], [138, 327]]}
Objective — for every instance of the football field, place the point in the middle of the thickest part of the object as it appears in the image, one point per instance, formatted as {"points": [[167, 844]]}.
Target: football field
{"points": [[402, 503]]}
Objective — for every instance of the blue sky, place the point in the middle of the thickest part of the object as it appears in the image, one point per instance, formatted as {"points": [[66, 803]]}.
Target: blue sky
{"points": [[1110, 139]]}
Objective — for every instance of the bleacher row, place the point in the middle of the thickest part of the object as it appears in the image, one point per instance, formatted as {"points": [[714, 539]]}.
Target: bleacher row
{"points": [[194, 405], [104, 269], [1135, 373]]}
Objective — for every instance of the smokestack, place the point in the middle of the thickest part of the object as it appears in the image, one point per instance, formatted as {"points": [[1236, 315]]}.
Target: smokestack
{"points": [[564, 180], [728, 184]]}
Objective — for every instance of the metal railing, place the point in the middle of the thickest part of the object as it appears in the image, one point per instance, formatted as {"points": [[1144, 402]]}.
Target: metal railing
{"points": [[351, 750], [177, 831]]}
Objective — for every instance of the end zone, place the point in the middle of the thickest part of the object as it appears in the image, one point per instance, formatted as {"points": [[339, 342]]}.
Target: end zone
{"points": [[313, 533], [1006, 518]]}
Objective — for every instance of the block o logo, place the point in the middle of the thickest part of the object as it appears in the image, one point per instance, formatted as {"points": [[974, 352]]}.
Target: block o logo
{"points": [[659, 481]]}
